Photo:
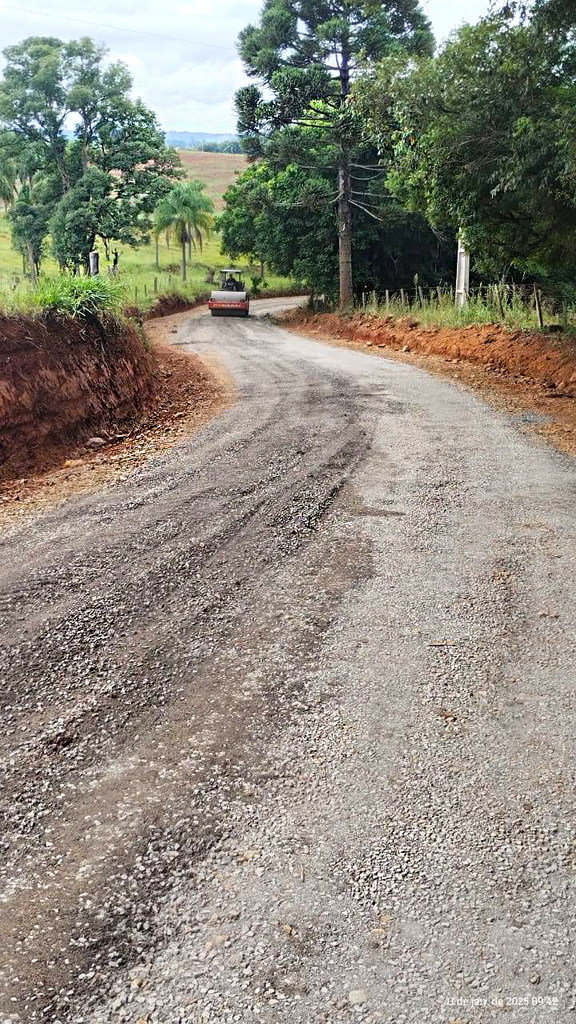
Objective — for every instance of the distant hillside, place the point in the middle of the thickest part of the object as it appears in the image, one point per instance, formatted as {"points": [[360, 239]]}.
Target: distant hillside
{"points": [[189, 140], [216, 170], [181, 140]]}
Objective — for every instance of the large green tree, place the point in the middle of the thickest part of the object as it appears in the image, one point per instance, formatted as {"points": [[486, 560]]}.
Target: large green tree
{"points": [[482, 138], [283, 213], [305, 53], [106, 181]]}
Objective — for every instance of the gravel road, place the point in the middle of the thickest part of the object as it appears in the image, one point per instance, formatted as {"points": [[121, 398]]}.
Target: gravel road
{"points": [[288, 717]]}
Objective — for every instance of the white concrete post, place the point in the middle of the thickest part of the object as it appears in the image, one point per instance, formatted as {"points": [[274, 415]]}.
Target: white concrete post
{"points": [[94, 263], [462, 274]]}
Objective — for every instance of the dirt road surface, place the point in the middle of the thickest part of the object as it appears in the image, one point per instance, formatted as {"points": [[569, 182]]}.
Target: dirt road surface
{"points": [[288, 717]]}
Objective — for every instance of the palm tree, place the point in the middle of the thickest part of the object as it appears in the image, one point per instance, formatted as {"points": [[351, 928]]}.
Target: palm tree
{"points": [[189, 213]]}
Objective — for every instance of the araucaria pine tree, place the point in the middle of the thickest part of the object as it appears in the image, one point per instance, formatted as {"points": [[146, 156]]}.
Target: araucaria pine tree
{"points": [[305, 54]]}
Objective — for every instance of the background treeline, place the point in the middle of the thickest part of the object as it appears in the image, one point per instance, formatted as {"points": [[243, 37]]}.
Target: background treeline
{"points": [[477, 137], [233, 146]]}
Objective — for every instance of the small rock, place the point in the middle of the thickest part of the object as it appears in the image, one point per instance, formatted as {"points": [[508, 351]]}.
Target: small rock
{"points": [[535, 979], [357, 997], [405, 348], [95, 442], [248, 855]]}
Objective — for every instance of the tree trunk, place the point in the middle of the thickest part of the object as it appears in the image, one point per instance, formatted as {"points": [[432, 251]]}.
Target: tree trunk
{"points": [[184, 260], [262, 269], [85, 161], [345, 233], [344, 207], [32, 264]]}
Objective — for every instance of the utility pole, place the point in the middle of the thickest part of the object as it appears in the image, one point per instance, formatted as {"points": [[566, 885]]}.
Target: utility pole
{"points": [[462, 274]]}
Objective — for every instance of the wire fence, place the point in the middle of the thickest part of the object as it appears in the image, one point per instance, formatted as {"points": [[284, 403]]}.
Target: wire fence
{"points": [[511, 305]]}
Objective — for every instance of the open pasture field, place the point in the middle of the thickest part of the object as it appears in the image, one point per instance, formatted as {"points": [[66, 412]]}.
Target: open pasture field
{"points": [[216, 170]]}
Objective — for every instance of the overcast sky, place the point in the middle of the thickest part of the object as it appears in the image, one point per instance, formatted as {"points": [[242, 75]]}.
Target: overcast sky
{"points": [[190, 77]]}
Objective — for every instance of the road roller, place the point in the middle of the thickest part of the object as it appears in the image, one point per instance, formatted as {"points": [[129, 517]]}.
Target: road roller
{"points": [[231, 298]]}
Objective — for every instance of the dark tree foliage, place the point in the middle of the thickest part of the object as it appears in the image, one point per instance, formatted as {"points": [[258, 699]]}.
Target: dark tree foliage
{"points": [[284, 214], [29, 227], [482, 138]]}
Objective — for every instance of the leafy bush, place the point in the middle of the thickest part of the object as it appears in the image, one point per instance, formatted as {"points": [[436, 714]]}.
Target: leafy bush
{"points": [[84, 297]]}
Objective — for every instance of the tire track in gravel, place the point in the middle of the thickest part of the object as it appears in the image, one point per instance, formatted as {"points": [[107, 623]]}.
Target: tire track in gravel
{"points": [[93, 674]]}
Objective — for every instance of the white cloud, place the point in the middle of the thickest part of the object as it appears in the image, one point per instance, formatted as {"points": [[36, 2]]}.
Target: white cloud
{"points": [[181, 53]]}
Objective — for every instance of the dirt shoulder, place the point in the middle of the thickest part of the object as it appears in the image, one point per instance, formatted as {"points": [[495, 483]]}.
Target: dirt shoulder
{"points": [[189, 392], [532, 375]]}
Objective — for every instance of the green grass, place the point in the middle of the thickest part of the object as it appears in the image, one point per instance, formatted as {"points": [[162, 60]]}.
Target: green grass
{"points": [[79, 297], [83, 298], [137, 271], [510, 306]]}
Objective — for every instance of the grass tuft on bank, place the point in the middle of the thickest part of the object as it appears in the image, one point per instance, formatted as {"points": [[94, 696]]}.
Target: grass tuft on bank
{"points": [[79, 297]]}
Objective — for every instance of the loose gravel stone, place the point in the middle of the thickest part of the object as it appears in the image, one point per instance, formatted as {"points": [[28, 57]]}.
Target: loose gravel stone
{"points": [[286, 737]]}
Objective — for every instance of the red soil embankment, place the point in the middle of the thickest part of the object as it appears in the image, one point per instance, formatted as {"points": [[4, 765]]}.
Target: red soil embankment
{"points": [[173, 302], [62, 380], [548, 360]]}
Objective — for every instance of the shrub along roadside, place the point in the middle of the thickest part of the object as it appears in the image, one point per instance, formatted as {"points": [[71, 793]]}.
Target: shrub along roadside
{"points": [[79, 297]]}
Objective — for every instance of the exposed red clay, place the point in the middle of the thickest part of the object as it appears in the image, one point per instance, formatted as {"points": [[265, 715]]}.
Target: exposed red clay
{"points": [[538, 357], [62, 380]]}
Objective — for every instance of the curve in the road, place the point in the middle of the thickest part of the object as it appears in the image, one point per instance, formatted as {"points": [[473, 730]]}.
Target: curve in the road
{"points": [[352, 592]]}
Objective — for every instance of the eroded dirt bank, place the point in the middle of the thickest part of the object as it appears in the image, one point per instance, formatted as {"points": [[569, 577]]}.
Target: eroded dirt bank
{"points": [[63, 379], [514, 369], [188, 390]]}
